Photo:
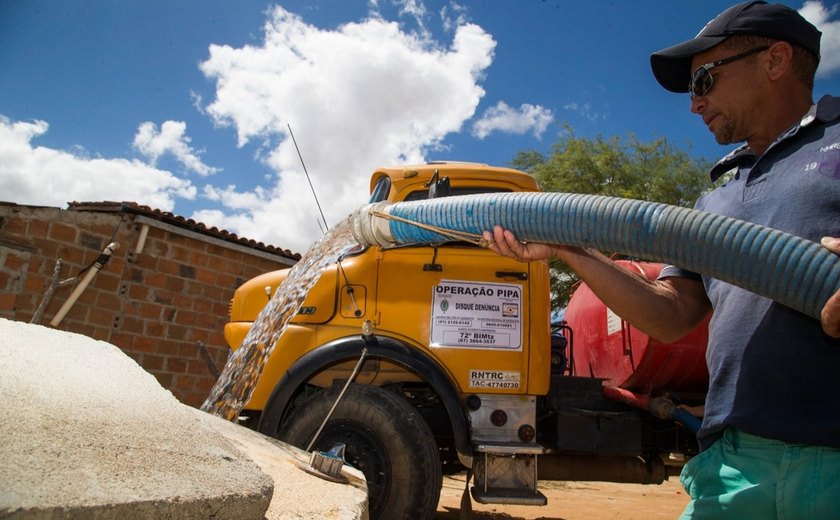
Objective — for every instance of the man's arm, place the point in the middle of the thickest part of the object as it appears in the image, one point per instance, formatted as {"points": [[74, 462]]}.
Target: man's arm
{"points": [[830, 316], [665, 309]]}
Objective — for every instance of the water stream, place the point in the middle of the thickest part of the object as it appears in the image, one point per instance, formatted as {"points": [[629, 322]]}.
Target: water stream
{"points": [[234, 387]]}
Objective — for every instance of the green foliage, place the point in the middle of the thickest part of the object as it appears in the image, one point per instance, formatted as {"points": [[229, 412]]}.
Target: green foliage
{"points": [[616, 167]]}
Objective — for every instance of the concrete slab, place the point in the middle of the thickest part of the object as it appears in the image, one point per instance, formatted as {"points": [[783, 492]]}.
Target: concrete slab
{"points": [[298, 495], [87, 433]]}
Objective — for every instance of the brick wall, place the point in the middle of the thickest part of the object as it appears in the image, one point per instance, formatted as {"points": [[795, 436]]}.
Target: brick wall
{"points": [[162, 305]]}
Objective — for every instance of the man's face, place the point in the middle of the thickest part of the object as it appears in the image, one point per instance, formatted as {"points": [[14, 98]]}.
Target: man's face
{"points": [[730, 107]]}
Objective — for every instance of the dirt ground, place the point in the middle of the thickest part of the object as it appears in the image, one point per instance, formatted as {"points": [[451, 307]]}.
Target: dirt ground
{"points": [[576, 501]]}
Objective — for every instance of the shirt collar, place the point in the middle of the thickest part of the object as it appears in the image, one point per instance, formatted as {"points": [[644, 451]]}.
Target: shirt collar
{"points": [[827, 109]]}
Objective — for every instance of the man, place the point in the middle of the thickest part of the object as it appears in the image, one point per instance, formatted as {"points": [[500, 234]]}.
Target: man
{"points": [[770, 438]]}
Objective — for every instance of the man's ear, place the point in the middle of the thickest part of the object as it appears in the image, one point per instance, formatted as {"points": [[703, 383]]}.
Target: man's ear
{"points": [[779, 60]]}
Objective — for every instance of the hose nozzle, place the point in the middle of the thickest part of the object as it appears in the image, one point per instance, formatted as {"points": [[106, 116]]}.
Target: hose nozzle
{"points": [[371, 230]]}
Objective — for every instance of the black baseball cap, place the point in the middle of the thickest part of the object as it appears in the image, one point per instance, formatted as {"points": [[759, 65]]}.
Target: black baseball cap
{"points": [[672, 66]]}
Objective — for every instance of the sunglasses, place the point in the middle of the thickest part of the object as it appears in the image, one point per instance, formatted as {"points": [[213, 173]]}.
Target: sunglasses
{"points": [[702, 79]]}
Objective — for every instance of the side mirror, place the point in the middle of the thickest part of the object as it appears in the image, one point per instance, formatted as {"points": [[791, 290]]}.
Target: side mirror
{"points": [[439, 187]]}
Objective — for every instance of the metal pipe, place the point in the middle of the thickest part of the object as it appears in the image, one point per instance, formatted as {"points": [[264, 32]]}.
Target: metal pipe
{"points": [[338, 399]]}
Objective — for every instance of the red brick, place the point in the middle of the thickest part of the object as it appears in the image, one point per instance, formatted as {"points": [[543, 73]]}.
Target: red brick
{"points": [[14, 262], [102, 317], [208, 321], [150, 311], [34, 283], [168, 315], [138, 292], [4, 280], [184, 382], [14, 226], [155, 329], [203, 305], [107, 281], [7, 301], [165, 380], [180, 254], [176, 365], [221, 309], [226, 281], [205, 384], [38, 228], [182, 301], [62, 232], [198, 258], [73, 258], [152, 362], [200, 247], [156, 280], [86, 298], [194, 399], [148, 262], [216, 263], [168, 266], [144, 344], [100, 334], [156, 243], [214, 293], [184, 317], [108, 300], [200, 335], [207, 276], [198, 367], [132, 325], [122, 340], [167, 347]]}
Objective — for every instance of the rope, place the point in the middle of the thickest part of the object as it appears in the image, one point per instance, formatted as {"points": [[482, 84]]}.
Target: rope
{"points": [[472, 238]]}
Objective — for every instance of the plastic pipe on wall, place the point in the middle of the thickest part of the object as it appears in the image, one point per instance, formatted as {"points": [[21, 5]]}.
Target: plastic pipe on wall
{"points": [[97, 265]]}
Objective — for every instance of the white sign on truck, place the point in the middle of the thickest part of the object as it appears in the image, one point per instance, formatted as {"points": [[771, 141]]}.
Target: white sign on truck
{"points": [[476, 315]]}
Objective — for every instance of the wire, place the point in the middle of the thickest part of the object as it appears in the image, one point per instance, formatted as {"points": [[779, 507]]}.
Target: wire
{"points": [[307, 176]]}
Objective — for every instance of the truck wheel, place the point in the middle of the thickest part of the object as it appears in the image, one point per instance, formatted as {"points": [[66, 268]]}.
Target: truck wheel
{"points": [[385, 438]]}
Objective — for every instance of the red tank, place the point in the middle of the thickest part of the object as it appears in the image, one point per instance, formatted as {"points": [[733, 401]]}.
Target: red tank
{"points": [[607, 347]]}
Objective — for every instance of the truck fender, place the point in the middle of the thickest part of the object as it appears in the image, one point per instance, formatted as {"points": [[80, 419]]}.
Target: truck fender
{"points": [[379, 346]]}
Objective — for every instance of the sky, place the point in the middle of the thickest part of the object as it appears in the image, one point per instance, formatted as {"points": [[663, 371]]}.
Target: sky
{"points": [[186, 106]]}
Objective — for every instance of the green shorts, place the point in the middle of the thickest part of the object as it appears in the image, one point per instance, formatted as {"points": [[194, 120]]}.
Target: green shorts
{"points": [[742, 477]]}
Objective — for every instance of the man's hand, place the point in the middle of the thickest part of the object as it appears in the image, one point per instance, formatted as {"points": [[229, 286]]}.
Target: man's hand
{"points": [[830, 316], [505, 243]]}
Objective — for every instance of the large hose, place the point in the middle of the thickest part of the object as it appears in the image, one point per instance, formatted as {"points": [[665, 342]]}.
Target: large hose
{"points": [[793, 271]]}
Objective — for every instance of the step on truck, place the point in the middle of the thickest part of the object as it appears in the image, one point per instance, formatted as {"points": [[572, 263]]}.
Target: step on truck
{"points": [[464, 369]]}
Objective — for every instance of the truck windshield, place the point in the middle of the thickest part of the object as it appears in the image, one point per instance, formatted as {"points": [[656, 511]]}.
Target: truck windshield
{"points": [[463, 190], [380, 191]]}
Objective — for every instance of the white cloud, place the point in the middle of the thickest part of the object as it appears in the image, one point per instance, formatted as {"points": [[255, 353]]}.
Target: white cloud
{"points": [[44, 176], [503, 118], [363, 95], [453, 16], [172, 139], [585, 110], [815, 12]]}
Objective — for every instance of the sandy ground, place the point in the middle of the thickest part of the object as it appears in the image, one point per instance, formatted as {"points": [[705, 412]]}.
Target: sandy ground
{"points": [[576, 501]]}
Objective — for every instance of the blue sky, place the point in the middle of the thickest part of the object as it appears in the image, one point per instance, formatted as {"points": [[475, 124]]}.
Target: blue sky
{"points": [[184, 105]]}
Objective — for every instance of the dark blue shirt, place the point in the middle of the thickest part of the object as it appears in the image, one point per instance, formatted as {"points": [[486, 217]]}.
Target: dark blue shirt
{"points": [[773, 372]]}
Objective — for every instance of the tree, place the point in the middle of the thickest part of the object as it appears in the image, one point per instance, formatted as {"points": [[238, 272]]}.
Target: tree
{"points": [[616, 167]]}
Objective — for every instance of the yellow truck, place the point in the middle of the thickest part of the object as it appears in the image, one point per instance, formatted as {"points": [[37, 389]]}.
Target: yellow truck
{"points": [[463, 368]]}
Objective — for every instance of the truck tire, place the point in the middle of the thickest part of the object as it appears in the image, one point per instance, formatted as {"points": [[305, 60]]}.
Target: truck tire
{"points": [[385, 438]]}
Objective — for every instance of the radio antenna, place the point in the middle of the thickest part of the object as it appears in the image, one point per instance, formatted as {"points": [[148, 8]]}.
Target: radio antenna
{"points": [[308, 179]]}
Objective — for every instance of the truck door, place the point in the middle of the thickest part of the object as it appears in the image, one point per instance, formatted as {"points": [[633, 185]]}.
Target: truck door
{"points": [[469, 308]]}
